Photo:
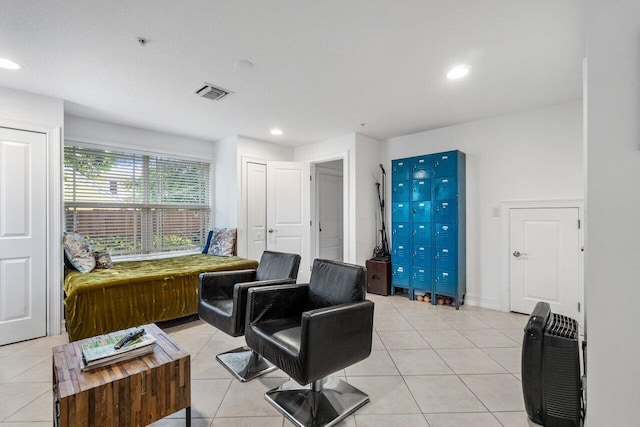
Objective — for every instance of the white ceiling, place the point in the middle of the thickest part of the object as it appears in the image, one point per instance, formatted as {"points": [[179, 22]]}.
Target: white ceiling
{"points": [[321, 67]]}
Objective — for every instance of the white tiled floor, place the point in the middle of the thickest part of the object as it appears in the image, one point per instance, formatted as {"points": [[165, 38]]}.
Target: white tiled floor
{"points": [[431, 366]]}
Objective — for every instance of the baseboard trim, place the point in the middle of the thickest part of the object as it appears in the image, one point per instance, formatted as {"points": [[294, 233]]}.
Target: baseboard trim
{"points": [[492, 304]]}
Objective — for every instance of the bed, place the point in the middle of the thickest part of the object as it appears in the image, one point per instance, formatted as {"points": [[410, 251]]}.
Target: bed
{"points": [[138, 292]]}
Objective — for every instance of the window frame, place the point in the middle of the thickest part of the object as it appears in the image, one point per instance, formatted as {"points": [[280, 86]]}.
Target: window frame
{"points": [[141, 151]]}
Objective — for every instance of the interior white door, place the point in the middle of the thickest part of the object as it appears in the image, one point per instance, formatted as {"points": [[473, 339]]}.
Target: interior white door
{"points": [[329, 202], [23, 230], [256, 209], [545, 259], [288, 211]]}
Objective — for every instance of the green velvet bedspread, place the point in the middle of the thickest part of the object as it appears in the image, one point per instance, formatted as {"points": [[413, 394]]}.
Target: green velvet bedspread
{"points": [[137, 292]]}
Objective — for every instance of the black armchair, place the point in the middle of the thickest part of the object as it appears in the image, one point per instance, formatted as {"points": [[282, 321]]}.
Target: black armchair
{"points": [[223, 302], [311, 331]]}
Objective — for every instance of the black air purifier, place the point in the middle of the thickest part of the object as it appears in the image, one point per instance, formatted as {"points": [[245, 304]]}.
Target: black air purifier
{"points": [[551, 369]]}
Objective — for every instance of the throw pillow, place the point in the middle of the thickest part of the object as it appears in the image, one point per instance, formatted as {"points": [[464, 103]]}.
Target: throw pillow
{"points": [[78, 252], [223, 242], [103, 259]]}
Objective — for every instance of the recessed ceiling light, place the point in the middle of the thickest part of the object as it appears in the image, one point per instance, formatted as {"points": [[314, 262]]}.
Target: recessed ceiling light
{"points": [[276, 131], [9, 65], [458, 72]]}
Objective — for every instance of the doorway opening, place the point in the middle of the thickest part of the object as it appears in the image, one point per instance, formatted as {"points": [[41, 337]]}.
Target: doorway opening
{"points": [[329, 210]]}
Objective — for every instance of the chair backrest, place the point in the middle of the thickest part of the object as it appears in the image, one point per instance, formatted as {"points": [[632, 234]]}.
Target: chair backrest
{"points": [[334, 283], [278, 265]]}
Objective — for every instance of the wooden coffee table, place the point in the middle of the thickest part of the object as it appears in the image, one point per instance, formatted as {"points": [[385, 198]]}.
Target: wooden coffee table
{"points": [[136, 392]]}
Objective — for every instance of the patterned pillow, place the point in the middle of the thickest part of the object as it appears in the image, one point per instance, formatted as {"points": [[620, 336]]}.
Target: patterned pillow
{"points": [[223, 242], [78, 252], [103, 259]]}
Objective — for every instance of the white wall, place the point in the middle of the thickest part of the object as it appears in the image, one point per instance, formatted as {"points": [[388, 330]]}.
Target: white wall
{"points": [[27, 107], [226, 183], [367, 156], [612, 273], [535, 154], [97, 132], [262, 150]]}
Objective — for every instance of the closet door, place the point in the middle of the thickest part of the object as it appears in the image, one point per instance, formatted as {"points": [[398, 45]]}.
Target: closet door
{"points": [[288, 211], [23, 235]]}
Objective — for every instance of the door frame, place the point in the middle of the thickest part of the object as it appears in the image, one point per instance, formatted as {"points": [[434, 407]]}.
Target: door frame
{"points": [[348, 217], [316, 228], [505, 207], [54, 215]]}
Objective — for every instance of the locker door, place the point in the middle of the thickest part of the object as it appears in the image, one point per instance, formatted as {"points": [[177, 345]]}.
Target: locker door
{"points": [[401, 253], [421, 255], [446, 282], [445, 164], [421, 189], [422, 167], [422, 233], [446, 259], [401, 170], [446, 235], [400, 275], [400, 232], [400, 191], [421, 278], [421, 211], [400, 211], [445, 188], [445, 211]]}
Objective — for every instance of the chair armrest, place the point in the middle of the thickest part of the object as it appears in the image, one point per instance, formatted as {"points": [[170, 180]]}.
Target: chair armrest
{"points": [[276, 302], [245, 286], [336, 337], [219, 284], [240, 291]]}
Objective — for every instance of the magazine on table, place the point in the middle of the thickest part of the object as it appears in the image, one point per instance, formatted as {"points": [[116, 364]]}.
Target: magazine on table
{"points": [[102, 351]]}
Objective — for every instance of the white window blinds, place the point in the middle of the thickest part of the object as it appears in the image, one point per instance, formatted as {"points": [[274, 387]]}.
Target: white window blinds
{"points": [[135, 204]]}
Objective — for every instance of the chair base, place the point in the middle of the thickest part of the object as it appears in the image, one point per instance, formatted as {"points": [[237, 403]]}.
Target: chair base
{"points": [[322, 403], [244, 363]]}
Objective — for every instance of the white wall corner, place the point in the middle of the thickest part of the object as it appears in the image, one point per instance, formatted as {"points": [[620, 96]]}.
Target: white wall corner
{"points": [[368, 173]]}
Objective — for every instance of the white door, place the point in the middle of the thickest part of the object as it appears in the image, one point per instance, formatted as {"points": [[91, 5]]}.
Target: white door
{"points": [[256, 209], [23, 230], [288, 201], [329, 184], [545, 259]]}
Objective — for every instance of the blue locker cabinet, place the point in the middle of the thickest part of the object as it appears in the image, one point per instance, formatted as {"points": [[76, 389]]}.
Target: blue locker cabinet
{"points": [[428, 218]]}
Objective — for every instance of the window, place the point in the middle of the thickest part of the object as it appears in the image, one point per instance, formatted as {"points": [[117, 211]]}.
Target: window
{"points": [[133, 204]]}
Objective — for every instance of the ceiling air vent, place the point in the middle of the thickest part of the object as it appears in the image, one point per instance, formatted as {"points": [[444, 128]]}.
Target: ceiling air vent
{"points": [[212, 92]]}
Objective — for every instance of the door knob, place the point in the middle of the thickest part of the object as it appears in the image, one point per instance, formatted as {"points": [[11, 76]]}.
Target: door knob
{"points": [[271, 230], [517, 254]]}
